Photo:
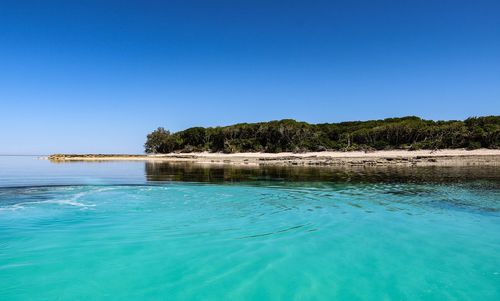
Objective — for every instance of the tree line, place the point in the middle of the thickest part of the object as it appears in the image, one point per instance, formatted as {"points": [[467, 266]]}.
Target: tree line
{"points": [[289, 135]]}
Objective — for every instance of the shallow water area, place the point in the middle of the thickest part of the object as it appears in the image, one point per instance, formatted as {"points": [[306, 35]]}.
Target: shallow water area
{"points": [[143, 231]]}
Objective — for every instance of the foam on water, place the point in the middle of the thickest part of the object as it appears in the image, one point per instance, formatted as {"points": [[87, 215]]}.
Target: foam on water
{"points": [[71, 201]]}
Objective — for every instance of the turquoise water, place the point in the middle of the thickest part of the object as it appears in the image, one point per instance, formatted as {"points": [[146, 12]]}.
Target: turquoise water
{"points": [[133, 231]]}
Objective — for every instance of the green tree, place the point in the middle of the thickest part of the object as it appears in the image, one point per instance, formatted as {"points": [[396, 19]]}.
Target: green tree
{"points": [[289, 135]]}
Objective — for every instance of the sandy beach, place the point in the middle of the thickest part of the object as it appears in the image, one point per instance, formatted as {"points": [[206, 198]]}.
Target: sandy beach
{"points": [[446, 157]]}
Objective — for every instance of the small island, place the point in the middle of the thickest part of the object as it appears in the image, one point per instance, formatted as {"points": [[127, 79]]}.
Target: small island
{"points": [[406, 141]]}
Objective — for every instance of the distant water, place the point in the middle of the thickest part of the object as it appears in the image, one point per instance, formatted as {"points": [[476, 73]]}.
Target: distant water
{"points": [[137, 231]]}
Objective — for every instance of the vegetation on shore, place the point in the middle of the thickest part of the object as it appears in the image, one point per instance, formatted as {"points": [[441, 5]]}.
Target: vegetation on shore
{"points": [[292, 136]]}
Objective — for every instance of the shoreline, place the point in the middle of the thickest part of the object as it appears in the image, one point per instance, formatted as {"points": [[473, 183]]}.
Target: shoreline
{"points": [[444, 157]]}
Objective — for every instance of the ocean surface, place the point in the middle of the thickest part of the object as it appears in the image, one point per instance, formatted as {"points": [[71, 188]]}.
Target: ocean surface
{"points": [[150, 231]]}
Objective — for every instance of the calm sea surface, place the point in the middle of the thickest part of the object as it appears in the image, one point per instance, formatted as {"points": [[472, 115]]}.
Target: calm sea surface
{"points": [[144, 231]]}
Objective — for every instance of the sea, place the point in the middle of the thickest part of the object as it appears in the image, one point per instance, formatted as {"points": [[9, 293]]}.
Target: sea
{"points": [[181, 231]]}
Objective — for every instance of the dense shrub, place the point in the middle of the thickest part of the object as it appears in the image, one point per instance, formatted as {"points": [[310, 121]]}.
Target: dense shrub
{"points": [[292, 136]]}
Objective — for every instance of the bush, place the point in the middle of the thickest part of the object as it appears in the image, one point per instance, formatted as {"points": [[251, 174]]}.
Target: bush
{"points": [[289, 135], [473, 145]]}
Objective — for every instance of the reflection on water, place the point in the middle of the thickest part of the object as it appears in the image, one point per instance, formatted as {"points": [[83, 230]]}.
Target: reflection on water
{"points": [[230, 173], [470, 188]]}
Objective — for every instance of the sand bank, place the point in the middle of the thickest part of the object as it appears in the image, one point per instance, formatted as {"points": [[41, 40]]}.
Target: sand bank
{"points": [[445, 157]]}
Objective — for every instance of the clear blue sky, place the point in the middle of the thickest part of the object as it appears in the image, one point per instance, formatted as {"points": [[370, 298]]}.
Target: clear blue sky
{"points": [[97, 76]]}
